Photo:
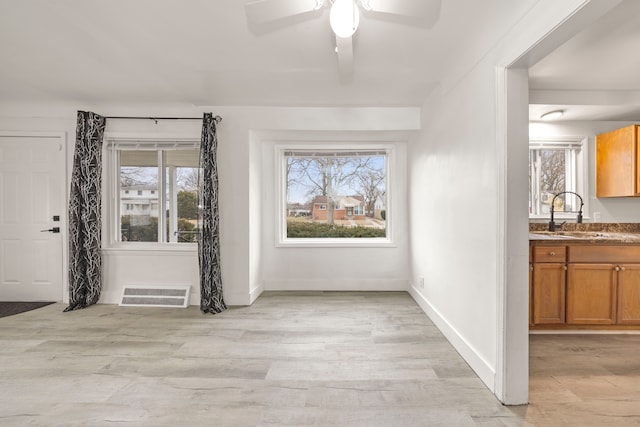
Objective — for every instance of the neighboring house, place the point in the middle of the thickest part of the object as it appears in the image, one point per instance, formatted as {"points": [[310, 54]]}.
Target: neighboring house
{"points": [[297, 209], [139, 200], [345, 208]]}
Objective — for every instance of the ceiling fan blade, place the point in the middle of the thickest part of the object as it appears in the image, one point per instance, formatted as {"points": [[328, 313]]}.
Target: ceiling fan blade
{"points": [[262, 11], [344, 51], [411, 8]]}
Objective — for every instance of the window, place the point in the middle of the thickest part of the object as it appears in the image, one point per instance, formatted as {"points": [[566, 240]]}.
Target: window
{"points": [[556, 166], [343, 190], [164, 181]]}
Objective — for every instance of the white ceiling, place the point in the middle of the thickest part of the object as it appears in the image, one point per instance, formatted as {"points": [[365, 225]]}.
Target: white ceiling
{"points": [[596, 74], [204, 52]]}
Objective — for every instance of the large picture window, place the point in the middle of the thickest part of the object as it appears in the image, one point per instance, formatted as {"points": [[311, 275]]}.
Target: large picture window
{"points": [[554, 167], [334, 195], [156, 194]]}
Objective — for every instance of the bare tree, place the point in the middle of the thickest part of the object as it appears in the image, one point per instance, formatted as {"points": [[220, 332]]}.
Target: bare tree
{"points": [[137, 175], [187, 178], [371, 187], [327, 176], [552, 171]]}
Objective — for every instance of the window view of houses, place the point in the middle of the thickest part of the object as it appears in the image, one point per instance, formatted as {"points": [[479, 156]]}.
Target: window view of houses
{"points": [[336, 194], [148, 214]]}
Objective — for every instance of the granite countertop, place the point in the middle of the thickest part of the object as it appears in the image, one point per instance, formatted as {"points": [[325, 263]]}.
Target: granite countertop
{"points": [[591, 232]]}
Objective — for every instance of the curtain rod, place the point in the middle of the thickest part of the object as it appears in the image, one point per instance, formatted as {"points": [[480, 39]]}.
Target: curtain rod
{"points": [[218, 119]]}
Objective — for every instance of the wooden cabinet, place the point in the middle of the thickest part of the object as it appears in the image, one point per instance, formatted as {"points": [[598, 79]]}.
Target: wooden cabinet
{"points": [[580, 285], [548, 285], [591, 294], [548, 293], [618, 163], [629, 294]]}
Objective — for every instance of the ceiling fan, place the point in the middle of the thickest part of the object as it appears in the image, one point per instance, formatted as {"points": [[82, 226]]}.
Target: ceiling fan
{"points": [[344, 17]]}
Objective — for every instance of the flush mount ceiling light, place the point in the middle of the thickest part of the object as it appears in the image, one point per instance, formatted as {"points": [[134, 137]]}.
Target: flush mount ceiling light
{"points": [[344, 18], [552, 115]]}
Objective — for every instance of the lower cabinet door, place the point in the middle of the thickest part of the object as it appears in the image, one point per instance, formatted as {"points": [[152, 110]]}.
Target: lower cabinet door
{"points": [[548, 293], [629, 294], [591, 294]]}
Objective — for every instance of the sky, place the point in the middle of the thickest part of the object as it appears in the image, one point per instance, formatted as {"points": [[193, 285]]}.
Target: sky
{"points": [[299, 191]]}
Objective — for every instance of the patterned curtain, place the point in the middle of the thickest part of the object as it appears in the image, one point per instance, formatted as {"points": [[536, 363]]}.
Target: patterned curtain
{"points": [[85, 221], [209, 240]]}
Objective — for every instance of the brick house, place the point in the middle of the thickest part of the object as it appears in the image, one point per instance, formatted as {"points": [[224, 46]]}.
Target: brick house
{"points": [[346, 208]]}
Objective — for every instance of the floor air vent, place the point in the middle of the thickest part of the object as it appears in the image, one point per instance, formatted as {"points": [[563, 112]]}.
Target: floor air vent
{"points": [[155, 296]]}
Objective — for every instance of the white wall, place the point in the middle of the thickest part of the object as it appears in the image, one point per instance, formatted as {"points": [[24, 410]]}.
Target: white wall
{"points": [[242, 192], [453, 209], [613, 209], [462, 177], [337, 268]]}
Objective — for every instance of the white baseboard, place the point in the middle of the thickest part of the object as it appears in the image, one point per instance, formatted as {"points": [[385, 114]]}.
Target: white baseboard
{"points": [[255, 293], [480, 366], [335, 285]]}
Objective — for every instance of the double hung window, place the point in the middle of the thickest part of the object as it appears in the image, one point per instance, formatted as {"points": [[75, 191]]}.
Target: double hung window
{"points": [[555, 166], [155, 192]]}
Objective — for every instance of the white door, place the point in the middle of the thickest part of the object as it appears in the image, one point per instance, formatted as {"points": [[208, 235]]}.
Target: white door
{"points": [[32, 193]]}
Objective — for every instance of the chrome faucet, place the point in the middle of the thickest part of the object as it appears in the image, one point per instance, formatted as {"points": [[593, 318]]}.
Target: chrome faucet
{"points": [[552, 224]]}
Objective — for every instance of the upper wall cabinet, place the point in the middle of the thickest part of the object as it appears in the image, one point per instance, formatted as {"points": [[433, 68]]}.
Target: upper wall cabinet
{"points": [[618, 163]]}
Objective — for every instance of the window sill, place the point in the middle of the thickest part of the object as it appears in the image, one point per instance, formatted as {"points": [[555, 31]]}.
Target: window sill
{"points": [[336, 243], [167, 249]]}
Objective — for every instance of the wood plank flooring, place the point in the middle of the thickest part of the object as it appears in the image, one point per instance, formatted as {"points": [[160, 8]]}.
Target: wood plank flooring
{"points": [[292, 359], [584, 380]]}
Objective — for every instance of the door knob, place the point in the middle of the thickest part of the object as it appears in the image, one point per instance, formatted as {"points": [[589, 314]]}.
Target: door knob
{"points": [[51, 230]]}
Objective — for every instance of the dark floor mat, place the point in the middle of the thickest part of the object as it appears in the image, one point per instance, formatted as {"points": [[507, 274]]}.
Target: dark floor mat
{"points": [[16, 307]]}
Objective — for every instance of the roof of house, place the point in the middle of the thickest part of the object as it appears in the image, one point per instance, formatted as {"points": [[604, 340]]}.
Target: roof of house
{"points": [[323, 199]]}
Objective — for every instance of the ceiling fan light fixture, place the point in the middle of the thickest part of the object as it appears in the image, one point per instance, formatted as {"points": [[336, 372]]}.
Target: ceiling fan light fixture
{"points": [[552, 115], [344, 18]]}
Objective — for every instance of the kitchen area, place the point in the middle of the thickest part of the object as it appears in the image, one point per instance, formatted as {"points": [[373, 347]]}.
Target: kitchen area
{"points": [[584, 248], [587, 275], [584, 284]]}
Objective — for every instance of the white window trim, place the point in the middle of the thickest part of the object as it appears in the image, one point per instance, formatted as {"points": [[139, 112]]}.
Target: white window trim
{"points": [[281, 197], [582, 173], [111, 208]]}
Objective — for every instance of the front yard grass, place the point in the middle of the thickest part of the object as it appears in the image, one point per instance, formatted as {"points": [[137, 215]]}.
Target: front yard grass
{"points": [[307, 229]]}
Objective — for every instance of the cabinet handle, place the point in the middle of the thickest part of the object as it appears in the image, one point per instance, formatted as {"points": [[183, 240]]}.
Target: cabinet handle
{"points": [[621, 268], [617, 268], [552, 253], [564, 267]]}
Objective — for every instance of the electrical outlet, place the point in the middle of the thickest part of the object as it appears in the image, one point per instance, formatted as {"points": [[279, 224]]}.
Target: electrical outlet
{"points": [[421, 282], [597, 217]]}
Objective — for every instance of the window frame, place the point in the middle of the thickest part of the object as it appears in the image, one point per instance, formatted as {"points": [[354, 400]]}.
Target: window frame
{"points": [[580, 143], [281, 195], [111, 177]]}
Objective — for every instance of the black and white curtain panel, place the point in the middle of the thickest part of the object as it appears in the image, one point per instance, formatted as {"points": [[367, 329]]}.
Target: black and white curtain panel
{"points": [[211, 300], [85, 221]]}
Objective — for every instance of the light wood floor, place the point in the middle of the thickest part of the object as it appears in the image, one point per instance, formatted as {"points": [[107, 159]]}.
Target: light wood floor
{"points": [[584, 380], [291, 359]]}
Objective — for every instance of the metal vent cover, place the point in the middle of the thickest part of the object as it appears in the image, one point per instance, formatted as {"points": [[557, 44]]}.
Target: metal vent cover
{"points": [[155, 296]]}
